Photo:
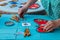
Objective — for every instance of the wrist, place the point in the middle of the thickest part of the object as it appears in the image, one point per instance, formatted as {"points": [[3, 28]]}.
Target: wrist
{"points": [[58, 22], [27, 4], [30, 2]]}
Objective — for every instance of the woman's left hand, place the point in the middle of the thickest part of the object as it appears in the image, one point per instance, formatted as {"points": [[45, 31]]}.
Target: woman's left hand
{"points": [[51, 25]]}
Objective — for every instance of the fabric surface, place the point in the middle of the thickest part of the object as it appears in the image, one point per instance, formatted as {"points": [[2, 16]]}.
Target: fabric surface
{"points": [[52, 7]]}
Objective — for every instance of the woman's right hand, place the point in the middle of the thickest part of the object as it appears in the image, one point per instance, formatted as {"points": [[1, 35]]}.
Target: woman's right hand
{"points": [[22, 10]]}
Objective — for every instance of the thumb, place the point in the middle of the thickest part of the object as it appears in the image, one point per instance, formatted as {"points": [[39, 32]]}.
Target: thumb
{"points": [[19, 11]]}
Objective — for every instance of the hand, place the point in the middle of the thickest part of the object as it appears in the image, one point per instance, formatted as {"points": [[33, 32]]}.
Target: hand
{"points": [[51, 25], [22, 10]]}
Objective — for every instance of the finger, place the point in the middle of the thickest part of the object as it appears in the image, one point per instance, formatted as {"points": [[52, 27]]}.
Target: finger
{"points": [[49, 27], [50, 30], [21, 14], [48, 24], [19, 11]]}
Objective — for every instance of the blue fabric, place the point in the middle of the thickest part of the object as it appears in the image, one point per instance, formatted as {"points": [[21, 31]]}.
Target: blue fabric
{"points": [[16, 32], [52, 7]]}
